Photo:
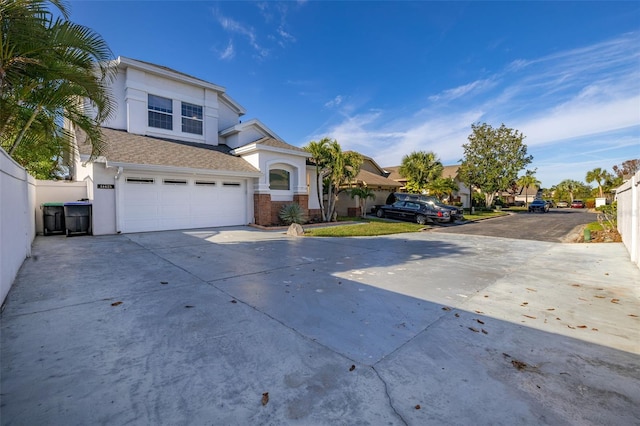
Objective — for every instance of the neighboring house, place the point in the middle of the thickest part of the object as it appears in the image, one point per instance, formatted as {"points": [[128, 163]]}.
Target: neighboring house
{"points": [[371, 176], [177, 156], [520, 196], [459, 196]]}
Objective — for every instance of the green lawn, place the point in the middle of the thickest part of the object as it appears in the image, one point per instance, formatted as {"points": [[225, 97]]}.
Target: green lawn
{"points": [[370, 227]]}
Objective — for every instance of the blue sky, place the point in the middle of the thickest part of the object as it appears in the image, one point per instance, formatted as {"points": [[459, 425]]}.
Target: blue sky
{"points": [[388, 78]]}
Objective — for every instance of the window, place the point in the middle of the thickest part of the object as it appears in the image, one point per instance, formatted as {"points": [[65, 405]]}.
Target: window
{"points": [[174, 181], [230, 184], [205, 183], [160, 112], [140, 180], [279, 179], [191, 118]]}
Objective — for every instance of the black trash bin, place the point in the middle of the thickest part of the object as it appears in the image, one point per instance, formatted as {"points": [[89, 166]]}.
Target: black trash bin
{"points": [[77, 218], [53, 218]]}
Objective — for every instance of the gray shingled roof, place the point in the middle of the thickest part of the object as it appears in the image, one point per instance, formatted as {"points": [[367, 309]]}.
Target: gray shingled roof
{"points": [[276, 143], [123, 147]]}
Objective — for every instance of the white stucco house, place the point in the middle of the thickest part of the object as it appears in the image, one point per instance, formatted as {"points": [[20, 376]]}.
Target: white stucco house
{"points": [[177, 156]]}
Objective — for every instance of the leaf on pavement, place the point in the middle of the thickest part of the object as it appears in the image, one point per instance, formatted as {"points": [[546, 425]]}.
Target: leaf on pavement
{"points": [[475, 330], [265, 398], [116, 303]]}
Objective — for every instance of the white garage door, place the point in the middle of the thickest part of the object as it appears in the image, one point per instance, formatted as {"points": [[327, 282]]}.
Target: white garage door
{"points": [[161, 203]]}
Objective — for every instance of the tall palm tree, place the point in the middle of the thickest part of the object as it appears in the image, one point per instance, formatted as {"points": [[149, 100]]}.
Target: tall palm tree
{"points": [[526, 181], [600, 177], [320, 157], [420, 168], [344, 167], [52, 71]]}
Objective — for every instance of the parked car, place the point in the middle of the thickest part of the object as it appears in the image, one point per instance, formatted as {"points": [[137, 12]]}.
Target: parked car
{"points": [[550, 203], [577, 204], [414, 211], [562, 204], [539, 206], [455, 213]]}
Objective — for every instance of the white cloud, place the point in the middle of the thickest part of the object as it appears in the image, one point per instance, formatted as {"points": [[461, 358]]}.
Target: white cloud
{"points": [[334, 102], [228, 52]]}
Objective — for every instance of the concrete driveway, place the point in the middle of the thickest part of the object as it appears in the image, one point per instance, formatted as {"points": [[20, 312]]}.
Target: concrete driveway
{"points": [[236, 326]]}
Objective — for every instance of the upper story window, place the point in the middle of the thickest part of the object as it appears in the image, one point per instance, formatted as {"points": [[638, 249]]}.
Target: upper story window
{"points": [[191, 118], [160, 112], [279, 179]]}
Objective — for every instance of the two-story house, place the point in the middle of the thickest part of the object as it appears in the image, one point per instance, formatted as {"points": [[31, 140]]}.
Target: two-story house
{"points": [[177, 156]]}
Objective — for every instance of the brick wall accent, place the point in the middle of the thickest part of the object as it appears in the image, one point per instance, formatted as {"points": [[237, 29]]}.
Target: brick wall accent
{"points": [[262, 209], [303, 200]]}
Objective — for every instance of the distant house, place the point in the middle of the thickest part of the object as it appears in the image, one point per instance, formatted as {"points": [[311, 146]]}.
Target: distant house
{"points": [[459, 196], [371, 176], [177, 156]]}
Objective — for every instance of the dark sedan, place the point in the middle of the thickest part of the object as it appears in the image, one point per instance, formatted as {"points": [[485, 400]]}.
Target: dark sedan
{"points": [[539, 206], [414, 211], [455, 213]]}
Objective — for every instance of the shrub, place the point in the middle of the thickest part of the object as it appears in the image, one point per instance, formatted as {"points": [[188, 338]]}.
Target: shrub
{"points": [[291, 213]]}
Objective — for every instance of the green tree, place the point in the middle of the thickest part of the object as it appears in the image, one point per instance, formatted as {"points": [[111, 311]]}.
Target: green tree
{"points": [[527, 181], [573, 188], [599, 176], [492, 159], [362, 193], [320, 157], [336, 168], [53, 79], [442, 187], [420, 168]]}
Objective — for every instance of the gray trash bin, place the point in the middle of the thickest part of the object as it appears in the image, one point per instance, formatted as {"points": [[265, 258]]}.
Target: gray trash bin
{"points": [[53, 218], [77, 218]]}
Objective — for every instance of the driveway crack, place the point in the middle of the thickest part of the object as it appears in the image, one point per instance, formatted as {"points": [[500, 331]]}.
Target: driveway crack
{"points": [[386, 391]]}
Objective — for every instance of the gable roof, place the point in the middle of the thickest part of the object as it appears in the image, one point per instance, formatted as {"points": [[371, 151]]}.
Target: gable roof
{"points": [[270, 144], [371, 179], [122, 147]]}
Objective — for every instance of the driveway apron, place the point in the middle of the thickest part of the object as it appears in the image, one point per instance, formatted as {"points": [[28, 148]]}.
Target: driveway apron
{"points": [[240, 326]]}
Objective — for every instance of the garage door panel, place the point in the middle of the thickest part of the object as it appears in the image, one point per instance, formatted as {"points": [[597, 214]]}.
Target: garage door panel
{"points": [[161, 206]]}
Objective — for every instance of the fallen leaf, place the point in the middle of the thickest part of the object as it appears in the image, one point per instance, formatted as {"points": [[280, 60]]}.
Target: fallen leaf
{"points": [[486, 295], [446, 308], [265, 398], [474, 330], [417, 407], [594, 329], [188, 306], [116, 303], [632, 315], [575, 285], [234, 301], [457, 315], [558, 318], [599, 297], [353, 367], [531, 289], [551, 309], [164, 282], [582, 326], [606, 273], [573, 328], [479, 321], [583, 299], [518, 364], [485, 331], [525, 303], [506, 354], [529, 316], [479, 312], [615, 300]]}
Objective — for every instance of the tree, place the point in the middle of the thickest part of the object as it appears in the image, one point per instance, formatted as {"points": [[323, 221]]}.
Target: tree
{"points": [[442, 187], [492, 159], [51, 70], [627, 168], [526, 181], [600, 177], [363, 193], [336, 168], [573, 188], [320, 157], [420, 168]]}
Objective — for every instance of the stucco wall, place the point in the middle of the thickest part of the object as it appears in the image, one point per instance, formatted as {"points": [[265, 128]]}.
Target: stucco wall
{"points": [[48, 191], [628, 197], [17, 227]]}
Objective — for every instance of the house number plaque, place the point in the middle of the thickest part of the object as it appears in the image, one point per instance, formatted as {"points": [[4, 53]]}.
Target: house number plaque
{"points": [[106, 186]]}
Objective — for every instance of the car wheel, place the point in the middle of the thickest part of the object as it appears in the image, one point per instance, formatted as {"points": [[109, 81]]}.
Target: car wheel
{"points": [[421, 219], [380, 213]]}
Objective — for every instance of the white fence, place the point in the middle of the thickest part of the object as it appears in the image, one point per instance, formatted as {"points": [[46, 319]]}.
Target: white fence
{"points": [[17, 224], [628, 196]]}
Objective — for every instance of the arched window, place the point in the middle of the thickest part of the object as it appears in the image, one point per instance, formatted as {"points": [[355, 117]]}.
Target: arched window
{"points": [[279, 179]]}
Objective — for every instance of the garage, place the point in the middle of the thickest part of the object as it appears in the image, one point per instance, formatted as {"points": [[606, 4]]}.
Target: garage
{"points": [[158, 203]]}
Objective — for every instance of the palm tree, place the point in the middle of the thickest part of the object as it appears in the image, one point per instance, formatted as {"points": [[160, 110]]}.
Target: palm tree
{"points": [[52, 71], [420, 168], [600, 177], [320, 157], [442, 186], [569, 186], [363, 193], [344, 167], [526, 181]]}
